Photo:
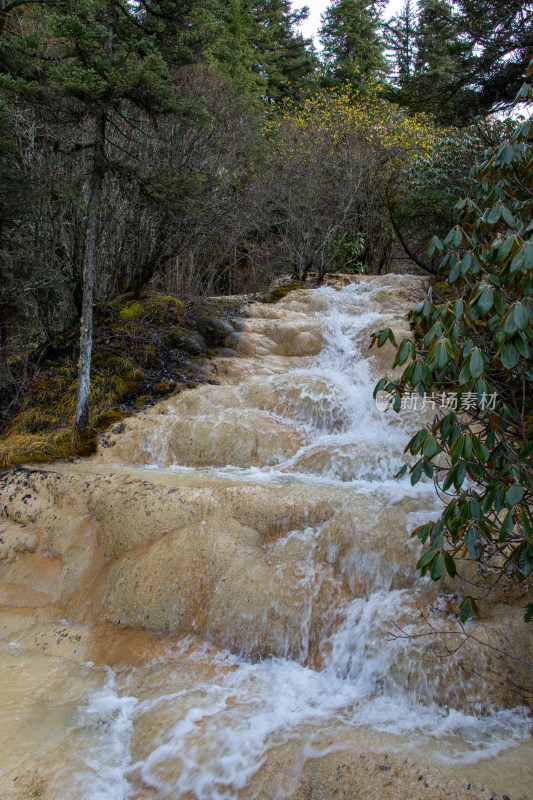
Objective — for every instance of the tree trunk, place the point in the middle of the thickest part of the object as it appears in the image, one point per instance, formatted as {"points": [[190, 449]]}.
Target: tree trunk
{"points": [[89, 272], [89, 266]]}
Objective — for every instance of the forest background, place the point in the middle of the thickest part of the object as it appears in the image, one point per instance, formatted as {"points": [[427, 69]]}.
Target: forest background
{"points": [[197, 148]]}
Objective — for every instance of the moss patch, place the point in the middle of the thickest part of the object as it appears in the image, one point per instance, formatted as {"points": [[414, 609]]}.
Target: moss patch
{"points": [[133, 365], [18, 448], [141, 400], [165, 387], [160, 310], [107, 418], [280, 292], [135, 311]]}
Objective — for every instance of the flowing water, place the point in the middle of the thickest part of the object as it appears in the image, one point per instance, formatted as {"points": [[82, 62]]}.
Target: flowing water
{"points": [[223, 603]]}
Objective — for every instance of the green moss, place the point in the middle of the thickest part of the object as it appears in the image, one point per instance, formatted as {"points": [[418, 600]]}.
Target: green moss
{"points": [[160, 310], [163, 303], [280, 292], [107, 418], [135, 311], [164, 388], [24, 448]]}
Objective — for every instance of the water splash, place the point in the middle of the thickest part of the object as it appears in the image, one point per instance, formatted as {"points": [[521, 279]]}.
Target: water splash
{"points": [[213, 736]]}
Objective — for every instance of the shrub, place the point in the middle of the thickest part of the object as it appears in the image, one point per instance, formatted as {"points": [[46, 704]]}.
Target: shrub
{"points": [[476, 348], [433, 180], [330, 159]]}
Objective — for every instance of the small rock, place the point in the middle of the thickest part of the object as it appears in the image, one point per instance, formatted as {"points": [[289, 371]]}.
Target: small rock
{"points": [[214, 329], [191, 342], [226, 352]]}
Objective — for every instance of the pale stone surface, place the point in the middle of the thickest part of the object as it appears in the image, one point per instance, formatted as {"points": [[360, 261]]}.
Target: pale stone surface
{"points": [[104, 563], [204, 428], [16, 541]]}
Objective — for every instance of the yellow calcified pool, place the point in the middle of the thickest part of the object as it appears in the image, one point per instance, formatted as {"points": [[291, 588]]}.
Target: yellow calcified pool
{"points": [[221, 603]]}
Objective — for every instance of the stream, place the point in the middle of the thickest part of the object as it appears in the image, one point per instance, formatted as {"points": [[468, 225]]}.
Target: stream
{"points": [[223, 603]]}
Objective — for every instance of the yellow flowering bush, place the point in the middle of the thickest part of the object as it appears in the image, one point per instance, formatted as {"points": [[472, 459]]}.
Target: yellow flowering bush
{"points": [[344, 118], [330, 160]]}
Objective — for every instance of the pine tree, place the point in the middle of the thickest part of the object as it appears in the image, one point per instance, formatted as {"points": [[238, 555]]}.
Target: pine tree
{"points": [[498, 41], [400, 36], [102, 57], [259, 48], [234, 54], [439, 53], [284, 59], [352, 47], [469, 56]]}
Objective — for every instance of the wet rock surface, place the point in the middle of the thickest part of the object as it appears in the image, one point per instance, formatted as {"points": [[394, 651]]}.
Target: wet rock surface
{"points": [[223, 602]]}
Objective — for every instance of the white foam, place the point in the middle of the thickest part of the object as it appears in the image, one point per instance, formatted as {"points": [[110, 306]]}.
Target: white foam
{"points": [[108, 719], [222, 731]]}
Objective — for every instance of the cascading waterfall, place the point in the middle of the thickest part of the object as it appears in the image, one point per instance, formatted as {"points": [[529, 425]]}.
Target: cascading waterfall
{"points": [[287, 643]]}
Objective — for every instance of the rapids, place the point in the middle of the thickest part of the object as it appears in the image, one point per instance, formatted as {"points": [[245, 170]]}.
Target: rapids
{"points": [[223, 604]]}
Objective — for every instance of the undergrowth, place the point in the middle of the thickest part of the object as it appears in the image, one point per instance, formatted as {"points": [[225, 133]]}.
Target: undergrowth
{"points": [[133, 365]]}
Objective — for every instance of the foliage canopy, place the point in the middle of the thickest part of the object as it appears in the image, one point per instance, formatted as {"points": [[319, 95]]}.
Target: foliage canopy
{"points": [[476, 346]]}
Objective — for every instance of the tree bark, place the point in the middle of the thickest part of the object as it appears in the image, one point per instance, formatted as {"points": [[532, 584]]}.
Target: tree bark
{"points": [[89, 272], [89, 266]]}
